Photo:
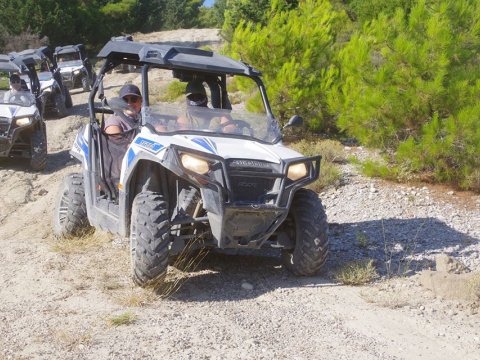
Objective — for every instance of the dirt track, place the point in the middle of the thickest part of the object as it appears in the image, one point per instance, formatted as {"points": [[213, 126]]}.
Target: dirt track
{"points": [[59, 300]]}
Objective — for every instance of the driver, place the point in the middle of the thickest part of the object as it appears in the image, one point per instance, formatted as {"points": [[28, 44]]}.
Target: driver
{"points": [[17, 86], [115, 124]]}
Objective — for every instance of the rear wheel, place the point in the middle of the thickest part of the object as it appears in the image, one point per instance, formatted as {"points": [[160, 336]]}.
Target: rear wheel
{"points": [[309, 229], [70, 215], [85, 84], [149, 239], [38, 150]]}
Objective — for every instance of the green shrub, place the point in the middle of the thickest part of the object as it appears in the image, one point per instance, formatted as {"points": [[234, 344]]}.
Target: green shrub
{"points": [[411, 82], [174, 91], [294, 51]]}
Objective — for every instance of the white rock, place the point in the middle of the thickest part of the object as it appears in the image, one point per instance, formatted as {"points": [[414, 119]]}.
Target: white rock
{"points": [[247, 286]]}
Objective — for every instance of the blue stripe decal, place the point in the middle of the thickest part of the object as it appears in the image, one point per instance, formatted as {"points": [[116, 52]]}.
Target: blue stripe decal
{"points": [[83, 145], [130, 156], [206, 143], [149, 145]]}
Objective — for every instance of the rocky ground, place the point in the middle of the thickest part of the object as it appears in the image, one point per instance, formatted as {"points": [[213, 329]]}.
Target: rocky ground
{"points": [[75, 300]]}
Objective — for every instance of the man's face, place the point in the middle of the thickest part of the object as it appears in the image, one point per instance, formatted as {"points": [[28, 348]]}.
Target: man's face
{"points": [[135, 102], [16, 85]]}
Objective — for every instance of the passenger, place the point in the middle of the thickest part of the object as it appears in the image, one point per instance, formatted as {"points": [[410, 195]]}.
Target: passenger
{"points": [[196, 97], [116, 124]]}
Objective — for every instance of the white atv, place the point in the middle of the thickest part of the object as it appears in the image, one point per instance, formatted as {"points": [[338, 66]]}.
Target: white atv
{"points": [[224, 180], [22, 129]]}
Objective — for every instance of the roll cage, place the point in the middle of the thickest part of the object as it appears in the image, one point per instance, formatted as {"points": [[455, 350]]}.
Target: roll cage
{"points": [[186, 64], [23, 64]]}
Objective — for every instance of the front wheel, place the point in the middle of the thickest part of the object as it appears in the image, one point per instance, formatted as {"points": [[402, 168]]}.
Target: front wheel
{"points": [[85, 84], [68, 98], [70, 215], [309, 229], [38, 150], [149, 239], [60, 105]]}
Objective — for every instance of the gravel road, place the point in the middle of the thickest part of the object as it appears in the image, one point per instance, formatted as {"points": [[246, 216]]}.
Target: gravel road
{"points": [[76, 301]]}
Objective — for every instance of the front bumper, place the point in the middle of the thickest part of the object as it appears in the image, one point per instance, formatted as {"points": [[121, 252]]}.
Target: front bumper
{"points": [[11, 143], [245, 200], [72, 81]]}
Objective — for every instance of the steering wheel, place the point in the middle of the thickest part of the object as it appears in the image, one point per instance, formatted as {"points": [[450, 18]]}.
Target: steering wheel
{"points": [[239, 126], [16, 98]]}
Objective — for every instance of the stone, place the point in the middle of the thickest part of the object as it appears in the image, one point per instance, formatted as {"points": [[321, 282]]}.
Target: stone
{"points": [[448, 264]]}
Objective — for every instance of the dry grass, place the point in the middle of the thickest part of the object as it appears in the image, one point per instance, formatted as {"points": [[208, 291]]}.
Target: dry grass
{"points": [[187, 261], [91, 240], [125, 318], [357, 273], [332, 152], [71, 339], [135, 297], [388, 299]]}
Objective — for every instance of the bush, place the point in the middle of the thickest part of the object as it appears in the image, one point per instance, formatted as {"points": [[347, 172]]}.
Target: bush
{"points": [[294, 51], [411, 82], [331, 152], [357, 273]]}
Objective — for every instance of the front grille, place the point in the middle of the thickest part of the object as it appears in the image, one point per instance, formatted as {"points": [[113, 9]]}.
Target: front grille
{"points": [[252, 181], [251, 189], [4, 146]]}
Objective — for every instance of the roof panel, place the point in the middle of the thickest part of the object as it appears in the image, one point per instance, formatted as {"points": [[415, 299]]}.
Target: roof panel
{"points": [[175, 57]]}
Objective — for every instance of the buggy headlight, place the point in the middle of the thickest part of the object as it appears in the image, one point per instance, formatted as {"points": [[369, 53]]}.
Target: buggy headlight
{"points": [[297, 171], [194, 164], [76, 72], [23, 121]]}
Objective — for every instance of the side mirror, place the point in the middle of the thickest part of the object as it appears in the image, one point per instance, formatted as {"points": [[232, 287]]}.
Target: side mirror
{"points": [[295, 121]]}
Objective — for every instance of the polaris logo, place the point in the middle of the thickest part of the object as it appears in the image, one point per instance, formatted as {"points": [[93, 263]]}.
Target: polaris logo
{"points": [[249, 163]]}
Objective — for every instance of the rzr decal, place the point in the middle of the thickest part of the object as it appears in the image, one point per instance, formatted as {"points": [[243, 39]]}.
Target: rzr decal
{"points": [[149, 145]]}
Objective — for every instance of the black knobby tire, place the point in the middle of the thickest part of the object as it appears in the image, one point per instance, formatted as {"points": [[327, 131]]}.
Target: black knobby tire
{"points": [[60, 105], [310, 231], [68, 98], [70, 215], [38, 150], [149, 239], [85, 84]]}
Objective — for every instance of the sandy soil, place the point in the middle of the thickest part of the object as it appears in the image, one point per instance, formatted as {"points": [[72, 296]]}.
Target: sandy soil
{"points": [[75, 300]]}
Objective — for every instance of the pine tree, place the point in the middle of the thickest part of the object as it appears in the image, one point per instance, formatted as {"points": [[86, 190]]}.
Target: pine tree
{"points": [[294, 51]]}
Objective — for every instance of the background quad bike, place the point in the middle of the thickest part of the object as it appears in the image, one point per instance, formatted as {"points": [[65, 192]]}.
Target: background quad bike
{"points": [[29, 140]]}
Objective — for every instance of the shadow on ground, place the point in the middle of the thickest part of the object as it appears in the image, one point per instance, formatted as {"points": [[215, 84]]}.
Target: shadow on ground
{"points": [[397, 246]]}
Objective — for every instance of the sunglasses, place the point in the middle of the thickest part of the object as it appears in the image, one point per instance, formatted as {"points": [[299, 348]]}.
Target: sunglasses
{"points": [[15, 82], [132, 99]]}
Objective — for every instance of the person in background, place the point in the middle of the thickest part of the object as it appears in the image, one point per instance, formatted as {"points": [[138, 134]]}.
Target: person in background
{"points": [[17, 88]]}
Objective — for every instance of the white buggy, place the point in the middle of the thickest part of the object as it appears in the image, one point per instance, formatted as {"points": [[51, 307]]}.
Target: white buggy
{"points": [[167, 186]]}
